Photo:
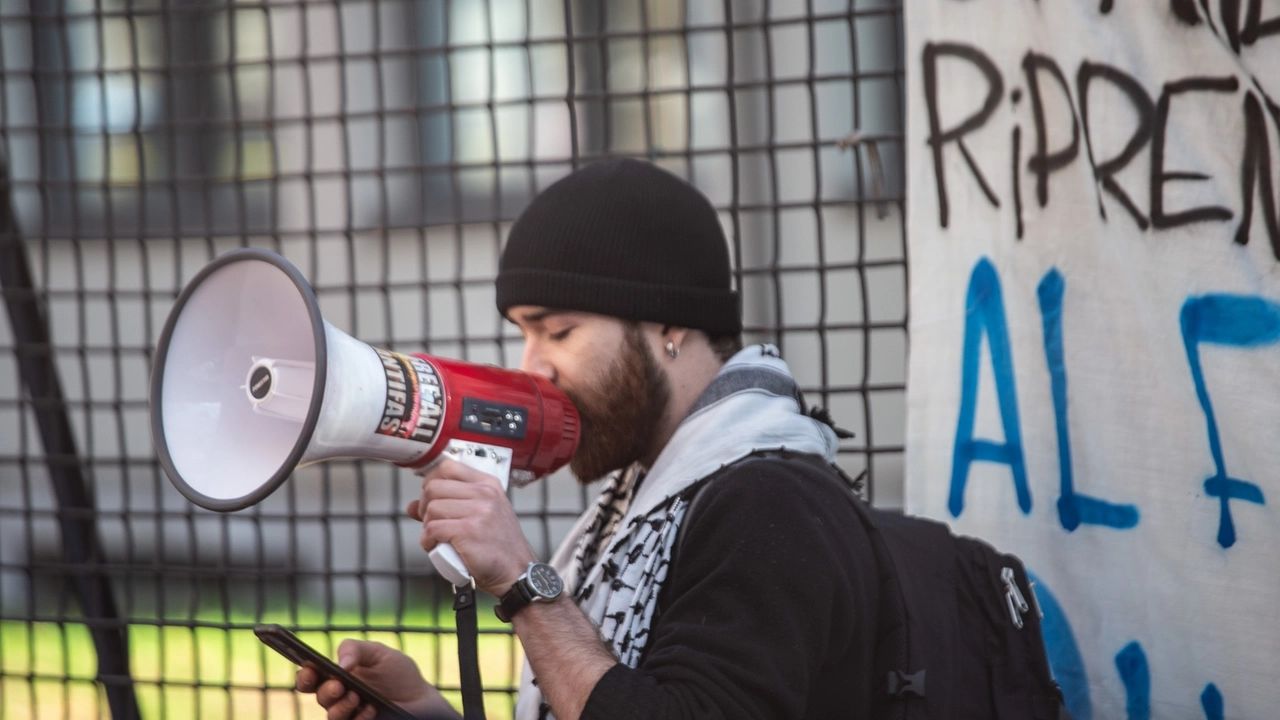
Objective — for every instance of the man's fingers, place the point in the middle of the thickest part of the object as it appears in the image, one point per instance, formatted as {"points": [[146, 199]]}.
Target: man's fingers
{"points": [[449, 509], [306, 680], [343, 708], [433, 507], [330, 693], [436, 491], [450, 498], [451, 480], [452, 489], [353, 653], [349, 655], [442, 531], [367, 713], [454, 470]]}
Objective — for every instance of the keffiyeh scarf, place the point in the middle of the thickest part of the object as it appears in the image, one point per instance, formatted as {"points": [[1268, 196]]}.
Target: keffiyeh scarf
{"points": [[616, 557]]}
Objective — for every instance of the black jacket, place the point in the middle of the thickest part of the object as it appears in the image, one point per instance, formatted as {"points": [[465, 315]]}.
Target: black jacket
{"points": [[768, 610]]}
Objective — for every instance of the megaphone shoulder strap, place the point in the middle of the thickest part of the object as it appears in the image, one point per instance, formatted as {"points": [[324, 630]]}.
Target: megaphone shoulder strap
{"points": [[464, 605]]}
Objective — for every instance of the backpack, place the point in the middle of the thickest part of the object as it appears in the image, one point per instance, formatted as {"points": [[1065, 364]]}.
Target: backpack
{"points": [[958, 625]]}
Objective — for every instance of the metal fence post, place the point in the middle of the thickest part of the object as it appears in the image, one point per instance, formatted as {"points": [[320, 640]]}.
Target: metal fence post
{"points": [[80, 545]]}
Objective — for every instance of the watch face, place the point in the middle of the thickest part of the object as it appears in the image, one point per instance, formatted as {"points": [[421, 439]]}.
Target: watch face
{"points": [[545, 581]]}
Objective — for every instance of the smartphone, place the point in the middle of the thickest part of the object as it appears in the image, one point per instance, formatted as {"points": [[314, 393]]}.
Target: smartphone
{"points": [[300, 653]]}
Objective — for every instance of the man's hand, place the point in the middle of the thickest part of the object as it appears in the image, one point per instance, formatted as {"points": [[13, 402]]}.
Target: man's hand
{"points": [[468, 509], [388, 671]]}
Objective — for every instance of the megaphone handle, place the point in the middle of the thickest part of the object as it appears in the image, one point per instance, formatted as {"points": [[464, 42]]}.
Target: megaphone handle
{"points": [[487, 458], [450, 565]]}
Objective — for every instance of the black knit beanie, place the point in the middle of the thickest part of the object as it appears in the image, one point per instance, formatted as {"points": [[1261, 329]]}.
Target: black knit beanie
{"points": [[626, 239]]}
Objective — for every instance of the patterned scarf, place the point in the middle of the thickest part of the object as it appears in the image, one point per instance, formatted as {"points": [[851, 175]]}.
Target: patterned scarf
{"points": [[616, 558]]}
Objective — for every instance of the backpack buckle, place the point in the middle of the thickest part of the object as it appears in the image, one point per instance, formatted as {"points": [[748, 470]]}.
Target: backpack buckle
{"points": [[900, 683]]}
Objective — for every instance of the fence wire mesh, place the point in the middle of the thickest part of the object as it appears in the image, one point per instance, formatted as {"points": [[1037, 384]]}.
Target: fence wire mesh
{"points": [[383, 146]]}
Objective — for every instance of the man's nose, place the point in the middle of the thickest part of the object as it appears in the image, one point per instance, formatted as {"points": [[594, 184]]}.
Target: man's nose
{"points": [[533, 361]]}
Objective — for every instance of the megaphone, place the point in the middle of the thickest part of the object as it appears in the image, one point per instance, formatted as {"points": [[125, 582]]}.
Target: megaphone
{"points": [[250, 382]]}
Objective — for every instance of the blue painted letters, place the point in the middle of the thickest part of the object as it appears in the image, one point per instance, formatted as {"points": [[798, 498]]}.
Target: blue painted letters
{"points": [[1211, 701], [1065, 660], [1131, 662], [1231, 320], [984, 315], [1073, 508], [1237, 321]]}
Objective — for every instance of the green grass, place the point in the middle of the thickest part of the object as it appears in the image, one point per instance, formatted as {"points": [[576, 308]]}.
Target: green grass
{"points": [[47, 669]]}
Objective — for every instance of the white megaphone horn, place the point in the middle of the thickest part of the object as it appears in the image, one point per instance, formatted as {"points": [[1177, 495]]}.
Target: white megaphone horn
{"points": [[250, 381]]}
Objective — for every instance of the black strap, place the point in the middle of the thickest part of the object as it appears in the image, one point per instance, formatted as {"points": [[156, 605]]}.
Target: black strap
{"points": [[891, 604], [464, 604]]}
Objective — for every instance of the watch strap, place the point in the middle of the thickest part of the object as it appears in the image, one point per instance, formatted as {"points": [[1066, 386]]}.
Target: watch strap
{"points": [[514, 600]]}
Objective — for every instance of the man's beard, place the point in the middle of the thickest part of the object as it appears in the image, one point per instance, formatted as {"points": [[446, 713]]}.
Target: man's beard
{"points": [[620, 411]]}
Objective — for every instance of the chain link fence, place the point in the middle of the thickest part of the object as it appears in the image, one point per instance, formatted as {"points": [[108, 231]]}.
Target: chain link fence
{"points": [[383, 146]]}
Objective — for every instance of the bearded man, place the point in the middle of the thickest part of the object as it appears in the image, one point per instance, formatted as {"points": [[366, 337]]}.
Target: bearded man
{"points": [[709, 580]]}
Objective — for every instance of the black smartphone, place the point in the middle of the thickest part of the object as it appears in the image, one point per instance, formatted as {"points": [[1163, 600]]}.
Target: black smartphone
{"points": [[300, 653]]}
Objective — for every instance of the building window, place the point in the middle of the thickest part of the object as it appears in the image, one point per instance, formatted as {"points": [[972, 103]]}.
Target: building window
{"points": [[150, 119]]}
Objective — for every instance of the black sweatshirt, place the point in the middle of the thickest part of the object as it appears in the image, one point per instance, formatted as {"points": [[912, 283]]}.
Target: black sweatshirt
{"points": [[768, 610]]}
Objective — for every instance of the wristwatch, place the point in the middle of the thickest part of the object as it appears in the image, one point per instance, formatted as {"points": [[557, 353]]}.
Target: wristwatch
{"points": [[539, 583]]}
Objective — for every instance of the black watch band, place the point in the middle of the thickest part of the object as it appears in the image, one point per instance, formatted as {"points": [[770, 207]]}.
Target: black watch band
{"points": [[539, 583]]}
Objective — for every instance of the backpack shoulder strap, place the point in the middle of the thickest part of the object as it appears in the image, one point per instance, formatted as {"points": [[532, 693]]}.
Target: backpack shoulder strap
{"points": [[693, 493], [915, 629], [917, 644]]}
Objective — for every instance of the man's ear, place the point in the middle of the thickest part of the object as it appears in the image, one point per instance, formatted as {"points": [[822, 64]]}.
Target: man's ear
{"points": [[674, 335]]}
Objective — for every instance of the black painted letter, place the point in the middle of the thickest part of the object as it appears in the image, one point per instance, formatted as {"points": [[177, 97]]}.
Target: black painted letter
{"points": [[1159, 177], [1256, 169], [1255, 27], [1104, 173], [1043, 162], [939, 137]]}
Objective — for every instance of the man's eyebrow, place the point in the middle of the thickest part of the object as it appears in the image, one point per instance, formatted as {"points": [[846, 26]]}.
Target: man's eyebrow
{"points": [[538, 316]]}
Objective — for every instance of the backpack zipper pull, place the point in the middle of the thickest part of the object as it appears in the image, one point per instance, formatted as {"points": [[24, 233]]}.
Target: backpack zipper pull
{"points": [[1013, 596], [1035, 601]]}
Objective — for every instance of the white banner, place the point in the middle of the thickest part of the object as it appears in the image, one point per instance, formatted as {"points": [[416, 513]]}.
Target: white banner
{"points": [[1094, 381]]}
